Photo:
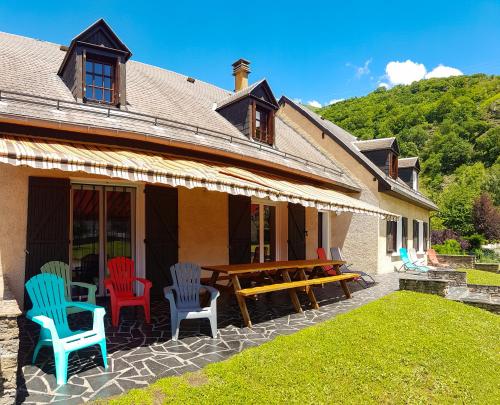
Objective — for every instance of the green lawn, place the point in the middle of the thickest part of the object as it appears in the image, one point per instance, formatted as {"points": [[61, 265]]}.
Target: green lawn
{"points": [[482, 277], [404, 348]]}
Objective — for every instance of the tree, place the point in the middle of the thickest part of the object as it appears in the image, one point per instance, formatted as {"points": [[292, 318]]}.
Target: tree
{"points": [[486, 217]]}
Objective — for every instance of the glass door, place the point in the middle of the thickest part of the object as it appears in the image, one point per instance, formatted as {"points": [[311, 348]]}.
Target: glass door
{"points": [[102, 228], [263, 233]]}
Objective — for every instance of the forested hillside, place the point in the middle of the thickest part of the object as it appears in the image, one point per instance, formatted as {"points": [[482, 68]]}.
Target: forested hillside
{"points": [[453, 125]]}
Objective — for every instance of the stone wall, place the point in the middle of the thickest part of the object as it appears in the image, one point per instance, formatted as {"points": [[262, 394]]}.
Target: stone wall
{"points": [[493, 290], [458, 261], [491, 267], [9, 346], [456, 278], [424, 285]]}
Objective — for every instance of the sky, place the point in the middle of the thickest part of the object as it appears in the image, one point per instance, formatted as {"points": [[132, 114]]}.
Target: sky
{"points": [[316, 52]]}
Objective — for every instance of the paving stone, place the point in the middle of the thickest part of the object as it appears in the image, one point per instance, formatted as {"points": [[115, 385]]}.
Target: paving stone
{"points": [[139, 353]]}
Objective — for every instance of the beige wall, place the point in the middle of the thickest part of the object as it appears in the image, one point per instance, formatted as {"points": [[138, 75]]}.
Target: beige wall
{"points": [[203, 221]]}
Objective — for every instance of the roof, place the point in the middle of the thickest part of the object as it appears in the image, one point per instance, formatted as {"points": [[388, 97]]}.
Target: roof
{"points": [[349, 143], [409, 162], [248, 91], [376, 144], [161, 104]]}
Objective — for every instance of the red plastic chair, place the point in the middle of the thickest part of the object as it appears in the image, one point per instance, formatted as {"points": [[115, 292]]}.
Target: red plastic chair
{"points": [[326, 269], [120, 285]]}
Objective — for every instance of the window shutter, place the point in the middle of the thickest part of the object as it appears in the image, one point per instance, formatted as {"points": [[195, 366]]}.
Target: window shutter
{"points": [[270, 127], [162, 246], [296, 232], [252, 121], [47, 237], [239, 229]]}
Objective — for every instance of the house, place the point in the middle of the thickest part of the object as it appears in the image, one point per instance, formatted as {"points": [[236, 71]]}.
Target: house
{"points": [[103, 156], [387, 181]]}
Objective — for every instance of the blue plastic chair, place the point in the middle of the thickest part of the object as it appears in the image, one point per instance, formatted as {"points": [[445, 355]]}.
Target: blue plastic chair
{"points": [[46, 292], [184, 297], [408, 265]]}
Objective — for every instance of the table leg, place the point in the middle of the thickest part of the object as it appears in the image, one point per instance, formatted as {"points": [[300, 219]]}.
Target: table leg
{"points": [[213, 279], [292, 292], [241, 301], [309, 290], [347, 293]]}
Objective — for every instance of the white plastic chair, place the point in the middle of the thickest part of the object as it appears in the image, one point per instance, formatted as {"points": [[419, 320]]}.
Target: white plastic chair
{"points": [[184, 297]]}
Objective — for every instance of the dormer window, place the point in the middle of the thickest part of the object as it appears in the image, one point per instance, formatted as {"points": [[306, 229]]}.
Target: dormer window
{"points": [[263, 130], [99, 81], [393, 165]]}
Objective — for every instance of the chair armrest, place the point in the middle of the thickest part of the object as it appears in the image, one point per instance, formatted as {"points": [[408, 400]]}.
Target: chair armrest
{"points": [[47, 323], [90, 287], [108, 284], [214, 292], [147, 283], [168, 293], [86, 306]]}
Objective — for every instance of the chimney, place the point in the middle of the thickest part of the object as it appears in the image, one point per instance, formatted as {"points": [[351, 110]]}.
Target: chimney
{"points": [[241, 69]]}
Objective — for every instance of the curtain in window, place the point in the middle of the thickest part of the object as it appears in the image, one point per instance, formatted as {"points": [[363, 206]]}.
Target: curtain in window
{"points": [[415, 235], [426, 235], [391, 236], [404, 239]]}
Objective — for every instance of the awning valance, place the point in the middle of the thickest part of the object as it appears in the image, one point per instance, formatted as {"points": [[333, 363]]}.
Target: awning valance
{"points": [[152, 167]]}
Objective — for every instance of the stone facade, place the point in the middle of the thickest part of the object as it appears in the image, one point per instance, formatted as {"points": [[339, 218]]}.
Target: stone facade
{"points": [[493, 290], [458, 261], [9, 346], [456, 278]]}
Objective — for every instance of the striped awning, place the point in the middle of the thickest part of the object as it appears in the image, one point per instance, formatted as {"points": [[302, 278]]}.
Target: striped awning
{"points": [[140, 166]]}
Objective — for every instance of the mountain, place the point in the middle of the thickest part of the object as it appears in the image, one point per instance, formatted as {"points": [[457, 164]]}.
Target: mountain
{"points": [[452, 124]]}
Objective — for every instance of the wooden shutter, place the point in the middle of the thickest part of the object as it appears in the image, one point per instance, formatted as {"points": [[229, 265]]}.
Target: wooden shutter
{"points": [[47, 237], [415, 235], [162, 246], [270, 127], [296, 232], [239, 229], [253, 110], [404, 226]]}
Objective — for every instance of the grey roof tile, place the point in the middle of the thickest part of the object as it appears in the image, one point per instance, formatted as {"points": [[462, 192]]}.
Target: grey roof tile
{"points": [[375, 144]]}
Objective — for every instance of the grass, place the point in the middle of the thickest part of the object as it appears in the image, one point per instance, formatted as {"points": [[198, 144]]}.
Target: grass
{"points": [[406, 348], [482, 277]]}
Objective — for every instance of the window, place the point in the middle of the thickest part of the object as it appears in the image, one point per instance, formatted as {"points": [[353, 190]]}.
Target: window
{"points": [[99, 81], [404, 228], [393, 165], [416, 235], [324, 230], [426, 235], [263, 130], [391, 236], [263, 233]]}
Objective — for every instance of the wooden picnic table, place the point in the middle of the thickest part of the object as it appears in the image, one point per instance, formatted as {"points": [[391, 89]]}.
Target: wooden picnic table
{"points": [[234, 271]]}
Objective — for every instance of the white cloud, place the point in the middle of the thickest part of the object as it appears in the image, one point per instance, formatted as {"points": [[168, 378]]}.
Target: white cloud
{"points": [[335, 100], [314, 103], [443, 71], [408, 72], [361, 70], [405, 72], [297, 100], [384, 85]]}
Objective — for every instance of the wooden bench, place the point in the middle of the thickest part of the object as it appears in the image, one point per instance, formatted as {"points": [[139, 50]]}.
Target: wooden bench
{"points": [[245, 292]]}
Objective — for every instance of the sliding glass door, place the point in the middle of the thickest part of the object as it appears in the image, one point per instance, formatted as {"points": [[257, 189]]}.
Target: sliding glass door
{"points": [[102, 228], [263, 233]]}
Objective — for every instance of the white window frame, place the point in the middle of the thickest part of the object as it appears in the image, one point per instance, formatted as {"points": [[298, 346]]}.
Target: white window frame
{"points": [[278, 224], [420, 236], [415, 180], [326, 231], [399, 236]]}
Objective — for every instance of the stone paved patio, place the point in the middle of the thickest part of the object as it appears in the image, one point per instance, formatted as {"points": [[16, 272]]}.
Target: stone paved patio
{"points": [[138, 354]]}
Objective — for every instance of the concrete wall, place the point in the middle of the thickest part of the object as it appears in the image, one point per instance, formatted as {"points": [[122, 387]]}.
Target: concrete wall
{"points": [[203, 231], [388, 262]]}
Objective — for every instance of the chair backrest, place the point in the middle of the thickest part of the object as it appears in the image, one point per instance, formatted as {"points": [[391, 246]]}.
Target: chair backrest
{"points": [[62, 270], [322, 256], [46, 292], [432, 256], [337, 255], [412, 254], [122, 273], [186, 279], [404, 255]]}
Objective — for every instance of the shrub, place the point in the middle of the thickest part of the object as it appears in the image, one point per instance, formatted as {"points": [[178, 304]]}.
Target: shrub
{"points": [[475, 241], [449, 247], [486, 217]]}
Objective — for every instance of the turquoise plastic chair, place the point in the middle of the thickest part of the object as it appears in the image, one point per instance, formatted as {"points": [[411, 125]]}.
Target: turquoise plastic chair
{"points": [[62, 270], [408, 265], [46, 292]]}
